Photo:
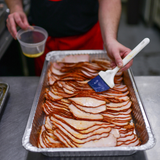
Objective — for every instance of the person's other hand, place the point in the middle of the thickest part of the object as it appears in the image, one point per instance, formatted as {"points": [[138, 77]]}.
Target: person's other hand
{"points": [[17, 19], [116, 53]]}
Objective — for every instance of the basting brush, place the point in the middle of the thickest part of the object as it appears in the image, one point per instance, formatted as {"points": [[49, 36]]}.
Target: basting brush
{"points": [[105, 79]]}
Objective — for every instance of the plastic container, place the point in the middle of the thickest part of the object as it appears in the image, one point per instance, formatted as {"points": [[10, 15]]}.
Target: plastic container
{"points": [[32, 41]]}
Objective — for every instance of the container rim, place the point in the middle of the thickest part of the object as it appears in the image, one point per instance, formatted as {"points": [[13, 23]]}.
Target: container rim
{"points": [[35, 28]]}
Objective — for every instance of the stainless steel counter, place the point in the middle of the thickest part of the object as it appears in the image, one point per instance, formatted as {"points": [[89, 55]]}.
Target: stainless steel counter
{"points": [[19, 102]]}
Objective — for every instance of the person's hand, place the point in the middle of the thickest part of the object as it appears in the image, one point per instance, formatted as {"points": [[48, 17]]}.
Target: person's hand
{"points": [[116, 53], [17, 19]]}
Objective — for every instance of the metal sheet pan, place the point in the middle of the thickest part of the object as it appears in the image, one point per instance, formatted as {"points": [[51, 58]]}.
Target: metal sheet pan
{"points": [[4, 88], [36, 117]]}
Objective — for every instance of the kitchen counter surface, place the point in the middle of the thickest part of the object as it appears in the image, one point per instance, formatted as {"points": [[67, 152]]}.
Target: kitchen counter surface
{"points": [[17, 108]]}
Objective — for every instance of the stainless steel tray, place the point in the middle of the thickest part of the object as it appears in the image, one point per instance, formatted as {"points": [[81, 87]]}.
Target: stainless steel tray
{"points": [[4, 88], [36, 117]]}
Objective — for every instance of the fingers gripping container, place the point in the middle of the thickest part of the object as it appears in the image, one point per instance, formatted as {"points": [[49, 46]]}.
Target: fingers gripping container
{"points": [[36, 117]]}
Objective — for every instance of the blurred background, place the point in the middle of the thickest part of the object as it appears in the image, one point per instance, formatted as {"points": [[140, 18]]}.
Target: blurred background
{"points": [[139, 19]]}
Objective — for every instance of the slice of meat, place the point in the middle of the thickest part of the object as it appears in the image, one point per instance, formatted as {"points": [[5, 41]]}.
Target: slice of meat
{"points": [[109, 141], [78, 114], [102, 62], [65, 85], [119, 74], [56, 104], [126, 134], [118, 80], [87, 101], [112, 95], [98, 109], [89, 69], [82, 125], [86, 74], [131, 142], [48, 124], [76, 136], [51, 78], [120, 87], [65, 102], [121, 108], [127, 138], [116, 116], [120, 123], [68, 91], [76, 58], [83, 82], [115, 132], [93, 66], [96, 128], [56, 71], [80, 86], [51, 141], [111, 105], [46, 110], [112, 91], [50, 109], [62, 139], [90, 93], [118, 99], [126, 112], [40, 141], [60, 65], [61, 92], [134, 142], [52, 96]]}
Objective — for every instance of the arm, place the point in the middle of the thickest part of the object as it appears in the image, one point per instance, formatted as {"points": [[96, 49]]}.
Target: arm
{"points": [[16, 16], [109, 17]]}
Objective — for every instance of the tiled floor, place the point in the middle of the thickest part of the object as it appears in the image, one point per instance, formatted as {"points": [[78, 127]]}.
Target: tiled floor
{"points": [[147, 62]]}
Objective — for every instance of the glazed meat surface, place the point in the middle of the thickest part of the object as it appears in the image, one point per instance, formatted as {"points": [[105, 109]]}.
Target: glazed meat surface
{"points": [[77, 116]]}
